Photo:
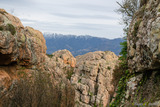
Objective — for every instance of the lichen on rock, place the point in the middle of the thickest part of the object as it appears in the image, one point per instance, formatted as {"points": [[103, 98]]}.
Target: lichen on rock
{"points": [[143, 38], [17, 45], [92, 78]]}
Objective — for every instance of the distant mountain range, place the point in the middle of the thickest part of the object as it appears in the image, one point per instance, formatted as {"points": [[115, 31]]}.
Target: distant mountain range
{"points": [[79, 45]]}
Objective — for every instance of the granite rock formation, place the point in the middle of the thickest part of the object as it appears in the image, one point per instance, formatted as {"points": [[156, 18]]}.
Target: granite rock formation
{"points": [[61, 63], [143, 38], [144, 56], [23, 49], [92, 78], [19, 44]]}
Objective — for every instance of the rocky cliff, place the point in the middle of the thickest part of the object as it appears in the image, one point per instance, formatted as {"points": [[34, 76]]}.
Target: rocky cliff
{"points": [[20, 47], [19, 44], [90, 75], [86, 79], [143, 38], [23, 53], [142, 87], [62, 64], [92, 78], [25, 68]]}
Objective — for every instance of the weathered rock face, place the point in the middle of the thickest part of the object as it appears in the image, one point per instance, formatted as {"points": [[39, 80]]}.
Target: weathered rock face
{"points": [[92, 78], [7, 74], [143, 38], [21, 49], [25, 46], [144, 56], [61, 63], [65, 57]]}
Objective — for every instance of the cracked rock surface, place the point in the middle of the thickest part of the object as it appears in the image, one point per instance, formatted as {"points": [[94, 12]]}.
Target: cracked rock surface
{"points": [[143, 39], [92, 78]]}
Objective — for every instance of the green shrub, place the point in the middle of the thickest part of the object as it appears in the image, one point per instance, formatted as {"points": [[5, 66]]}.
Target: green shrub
{"points": [[136, 27], [79, 81], [120, 76], [1, 28], [120, 69], [39, 90], [109, 68], [50, 55], [70, 73], [11, 28], [121, 89]]}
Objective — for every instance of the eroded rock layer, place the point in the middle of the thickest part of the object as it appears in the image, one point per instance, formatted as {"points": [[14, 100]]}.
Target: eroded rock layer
{"points": [[19, 44], [21, 49], [92, 78], [143, 38], [144, 56]]}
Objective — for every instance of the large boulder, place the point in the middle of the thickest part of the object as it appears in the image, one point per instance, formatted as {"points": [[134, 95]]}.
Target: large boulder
{"points": [[24, 46], [22, 49], [92, 78], [143, 38], [144, 57]]}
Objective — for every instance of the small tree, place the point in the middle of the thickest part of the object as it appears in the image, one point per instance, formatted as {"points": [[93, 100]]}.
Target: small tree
{"points": [[127, 9]]}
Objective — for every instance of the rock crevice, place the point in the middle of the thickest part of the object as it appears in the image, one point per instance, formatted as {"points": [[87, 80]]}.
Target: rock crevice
{"points": [[92, 78]]}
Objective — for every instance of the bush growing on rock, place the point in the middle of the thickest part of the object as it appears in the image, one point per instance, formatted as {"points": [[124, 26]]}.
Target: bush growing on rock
{"points": [[39, 90], [11, 28]]}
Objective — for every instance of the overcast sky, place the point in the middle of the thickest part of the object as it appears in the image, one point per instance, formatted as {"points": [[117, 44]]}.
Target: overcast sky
{"points": [[80, 17]]}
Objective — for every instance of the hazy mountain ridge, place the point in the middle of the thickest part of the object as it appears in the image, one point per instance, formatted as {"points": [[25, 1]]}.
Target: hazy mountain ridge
{"points": [[79, 45]]}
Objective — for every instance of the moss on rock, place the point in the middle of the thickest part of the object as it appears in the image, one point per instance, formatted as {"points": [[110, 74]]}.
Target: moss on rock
{"points": [[136, 27], [11, 28], [1, 28]]}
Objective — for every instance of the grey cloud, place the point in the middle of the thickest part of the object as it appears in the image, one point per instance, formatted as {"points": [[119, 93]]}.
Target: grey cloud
{"points": [[92, 7], [88, 26], [84, 16], [28, 20], [65, 11], [16, 2]]}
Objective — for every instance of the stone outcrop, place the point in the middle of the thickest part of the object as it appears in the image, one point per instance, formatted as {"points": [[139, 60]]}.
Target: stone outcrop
{"points": [[64, 56], [143, 38], [92, 78], [61, 63], [91, 75], [19, 44], [144, 56], [21, 49]]}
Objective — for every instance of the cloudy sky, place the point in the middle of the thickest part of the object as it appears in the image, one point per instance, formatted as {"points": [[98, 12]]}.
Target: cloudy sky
{"points": [[79, 17]]}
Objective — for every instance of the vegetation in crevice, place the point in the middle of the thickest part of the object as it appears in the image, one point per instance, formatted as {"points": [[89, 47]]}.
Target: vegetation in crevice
{"points": [[109, 68], [148, 88], [70, 72], [50, 55], [120, 76], [121, 90], [38, 89], [1, 28], [136, 27], [11, 28], [121, 72]]}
